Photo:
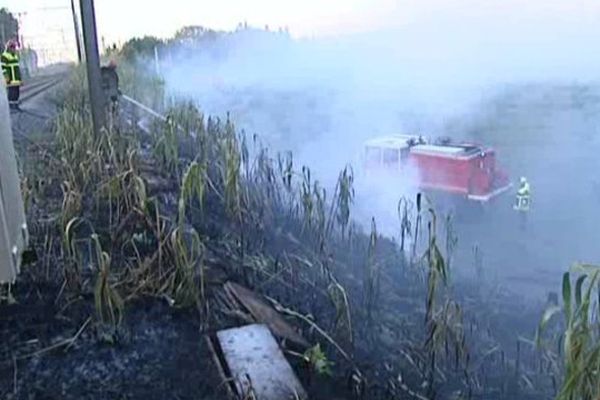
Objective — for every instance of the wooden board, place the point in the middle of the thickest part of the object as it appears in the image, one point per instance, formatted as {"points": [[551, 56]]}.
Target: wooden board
{"points": [[265, 314], [257, 364]]}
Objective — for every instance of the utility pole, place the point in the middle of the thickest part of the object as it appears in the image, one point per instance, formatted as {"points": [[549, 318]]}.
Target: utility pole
{"points": [[76, 27], [88, 21]]}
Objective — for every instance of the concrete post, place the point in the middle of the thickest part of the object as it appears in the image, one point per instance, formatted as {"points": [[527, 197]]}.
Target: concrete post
{"points": [[13, 227], [92, 57]]}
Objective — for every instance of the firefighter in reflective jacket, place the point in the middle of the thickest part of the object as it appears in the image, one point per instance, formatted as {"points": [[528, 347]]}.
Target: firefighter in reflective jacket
{"points": [[523, 200], [11, 72]]}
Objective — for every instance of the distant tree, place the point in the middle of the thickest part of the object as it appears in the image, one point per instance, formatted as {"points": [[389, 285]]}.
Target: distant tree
{"points": [[191, 39], [191, 32], [141, 47], [195, 34], [9, 26]]}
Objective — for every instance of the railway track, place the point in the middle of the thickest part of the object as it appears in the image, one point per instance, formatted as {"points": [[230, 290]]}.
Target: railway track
{"points": [[38, 85], [33, 117]]}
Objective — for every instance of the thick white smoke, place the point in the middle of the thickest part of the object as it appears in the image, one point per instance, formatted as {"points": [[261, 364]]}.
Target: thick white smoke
{"points": [[322, 98]]}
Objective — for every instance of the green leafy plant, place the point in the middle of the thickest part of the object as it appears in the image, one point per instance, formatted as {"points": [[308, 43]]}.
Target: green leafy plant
{"points": [[306, 196], [71, 204], [345, 197], [109, 304], [125, 192], [193, 187], [231, 176], [451, 240], [580, 365], [188, 251], [371, 281], [316, 358], [343, 319], [320, 223], [77, 148], [437, 268], [166, 145]]}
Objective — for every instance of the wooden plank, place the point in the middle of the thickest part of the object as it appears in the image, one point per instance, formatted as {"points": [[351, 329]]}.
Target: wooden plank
{"points": [[257, 365], [265, 314], [216, 353]]}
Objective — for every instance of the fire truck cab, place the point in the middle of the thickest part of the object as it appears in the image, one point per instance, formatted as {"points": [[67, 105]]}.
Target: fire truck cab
{"points": [[464, 170]]}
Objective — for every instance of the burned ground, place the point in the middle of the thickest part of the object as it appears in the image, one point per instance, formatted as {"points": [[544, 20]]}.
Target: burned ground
{"points": [[270, 228]]}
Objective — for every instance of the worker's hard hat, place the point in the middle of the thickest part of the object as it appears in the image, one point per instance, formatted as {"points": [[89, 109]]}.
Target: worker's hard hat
{"points": [[523, 179]]}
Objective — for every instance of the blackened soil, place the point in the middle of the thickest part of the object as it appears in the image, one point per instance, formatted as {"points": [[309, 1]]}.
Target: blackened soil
{"points": [[159, 354]]}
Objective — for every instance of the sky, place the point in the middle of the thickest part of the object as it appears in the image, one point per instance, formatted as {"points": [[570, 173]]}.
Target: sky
{"points": [[118, 19], [49, 21]]}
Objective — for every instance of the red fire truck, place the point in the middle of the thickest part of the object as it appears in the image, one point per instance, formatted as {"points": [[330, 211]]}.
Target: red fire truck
{"points": [[461, 170]]}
